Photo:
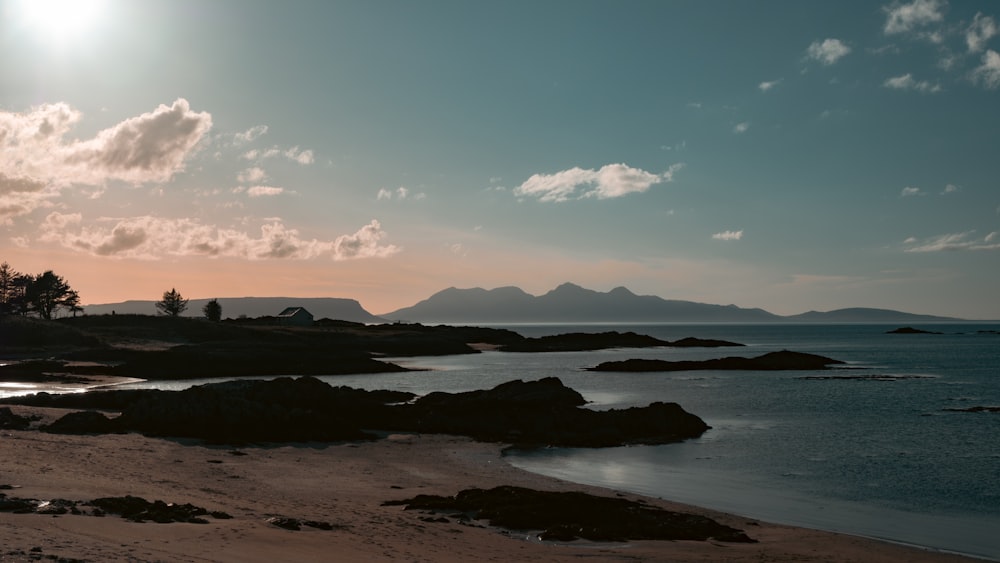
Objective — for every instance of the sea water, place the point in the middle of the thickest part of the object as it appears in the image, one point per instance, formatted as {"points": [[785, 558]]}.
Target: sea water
{"points": [[879, 447]]}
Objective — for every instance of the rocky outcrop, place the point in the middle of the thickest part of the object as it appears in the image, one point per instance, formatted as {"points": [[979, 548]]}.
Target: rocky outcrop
{"points": [[784, 360], [580, 341], [910, 330], [11, 421], [131, 508], [566, 516], [533, 413]]}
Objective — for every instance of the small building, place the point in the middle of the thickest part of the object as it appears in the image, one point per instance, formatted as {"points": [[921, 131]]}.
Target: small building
{"points": [[295, 316]]}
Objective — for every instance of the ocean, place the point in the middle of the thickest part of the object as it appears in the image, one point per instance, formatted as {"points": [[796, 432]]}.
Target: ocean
{"points": [[887, 446]]}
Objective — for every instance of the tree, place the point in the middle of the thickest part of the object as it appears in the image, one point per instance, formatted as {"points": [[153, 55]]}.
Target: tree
{"points": [[213, 311], [46, 293], [172, 303], [8, 295]]}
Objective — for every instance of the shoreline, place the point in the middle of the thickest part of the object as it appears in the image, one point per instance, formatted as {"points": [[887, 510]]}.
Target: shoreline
{"points": [[344, 484]]}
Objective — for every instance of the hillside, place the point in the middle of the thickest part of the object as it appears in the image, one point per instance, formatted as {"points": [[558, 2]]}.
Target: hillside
{"points": [[252, 307]]}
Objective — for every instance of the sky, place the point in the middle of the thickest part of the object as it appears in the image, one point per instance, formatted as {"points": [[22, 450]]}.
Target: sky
{"points": [[789, 155]]}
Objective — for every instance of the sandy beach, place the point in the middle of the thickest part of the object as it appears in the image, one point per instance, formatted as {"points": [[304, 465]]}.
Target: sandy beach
{"points": [[344, 485]]}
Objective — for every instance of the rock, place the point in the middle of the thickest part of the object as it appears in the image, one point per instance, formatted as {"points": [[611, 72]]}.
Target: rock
{"points": [[83, 422], [910, 330], [11, 421], [566, 516], [784, 360]]}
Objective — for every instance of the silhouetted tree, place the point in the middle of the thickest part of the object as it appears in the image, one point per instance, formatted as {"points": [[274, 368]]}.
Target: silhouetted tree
{"points": [[7, 285], [172, 303], [213, 311], [46, 293]]}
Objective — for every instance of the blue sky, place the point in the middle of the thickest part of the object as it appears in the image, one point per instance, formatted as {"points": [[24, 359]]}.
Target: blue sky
{"points": [[786, 155]]}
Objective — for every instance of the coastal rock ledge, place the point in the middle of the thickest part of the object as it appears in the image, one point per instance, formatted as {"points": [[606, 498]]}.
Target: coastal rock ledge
{"points": [[523, 413]]}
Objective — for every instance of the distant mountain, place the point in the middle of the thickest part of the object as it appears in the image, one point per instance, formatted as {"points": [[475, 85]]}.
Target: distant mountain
{"points": [[865, 315], [234, 307], [568, 303]]}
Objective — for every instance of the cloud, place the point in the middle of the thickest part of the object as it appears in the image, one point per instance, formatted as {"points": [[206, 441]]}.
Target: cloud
{"points": [[989, 72], [907, 82], [37, 162], [250, 134], [766, 86], [251, 175], [151, 238], [950, 189], [741, 127], [303, 157], [147, 148], [954, 242], [728, 235], [903, 18], [610, 181], [363, 244], [909, 191], [827, 51], [399, 193], [261, 191], [979, 32]]}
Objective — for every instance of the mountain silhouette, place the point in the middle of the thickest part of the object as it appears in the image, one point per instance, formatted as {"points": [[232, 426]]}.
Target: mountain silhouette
{"points": [[570, 303]]}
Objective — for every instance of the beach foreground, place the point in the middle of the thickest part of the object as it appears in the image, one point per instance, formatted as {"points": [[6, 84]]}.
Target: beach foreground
{"points": [[342, 484]]}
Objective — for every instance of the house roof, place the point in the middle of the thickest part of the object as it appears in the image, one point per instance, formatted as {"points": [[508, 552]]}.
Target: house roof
{"points": [[292, 311]]}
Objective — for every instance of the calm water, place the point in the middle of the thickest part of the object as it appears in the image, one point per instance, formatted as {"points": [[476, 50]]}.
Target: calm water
{"points": [[880, 458]]}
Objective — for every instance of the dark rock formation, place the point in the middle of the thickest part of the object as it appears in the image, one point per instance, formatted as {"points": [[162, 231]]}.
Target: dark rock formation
{"points": [[131, 508], [580, 341], [910, 330], [975, 409], [566, 516], [784, 360], [295, 524], [534, 413], [11, 421]]}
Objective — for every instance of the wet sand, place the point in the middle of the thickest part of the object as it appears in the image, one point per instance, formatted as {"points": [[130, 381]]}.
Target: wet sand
{"points": [[341, 484]]}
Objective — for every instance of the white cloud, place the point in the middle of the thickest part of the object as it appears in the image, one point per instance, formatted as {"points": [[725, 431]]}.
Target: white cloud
{"points": [[907, 82], [903, 18], [766, 86], [263, 191], [989, 72], [728, 235], [295, 154], [250, 134], [401, 192], [910, 191], [251, 175], [827, 51], [151, 238], [610, 181], [981, 30], [950, 189], [954, 242], [363, 244], [36, 160], [741, 127], [302, 157]]}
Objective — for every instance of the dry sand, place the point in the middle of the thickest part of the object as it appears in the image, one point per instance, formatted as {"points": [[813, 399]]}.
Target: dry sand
{"points": [[342, 484]]}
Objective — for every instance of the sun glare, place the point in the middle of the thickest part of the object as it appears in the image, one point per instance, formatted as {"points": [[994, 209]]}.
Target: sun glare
{"points": [[62, 22]]}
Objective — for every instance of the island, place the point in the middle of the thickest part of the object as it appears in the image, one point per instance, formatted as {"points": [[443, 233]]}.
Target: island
{"points": [[771, 361]]}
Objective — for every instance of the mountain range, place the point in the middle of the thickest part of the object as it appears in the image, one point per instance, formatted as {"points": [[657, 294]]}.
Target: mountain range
{"points": [[568, 303]]}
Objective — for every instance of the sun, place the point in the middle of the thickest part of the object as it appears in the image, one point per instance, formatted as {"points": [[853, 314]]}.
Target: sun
{"points": [[62, 22]]}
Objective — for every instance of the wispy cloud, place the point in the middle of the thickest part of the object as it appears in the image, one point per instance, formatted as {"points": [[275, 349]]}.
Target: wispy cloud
{"points": [[250, 134], [294, 153], [251, 175], [610, 181], [981, 30], [909, 191], [907, 17], [741, 127], [907, 82], [264, 191], [728, 235], [988, 73], [954, 242], [950, 189], [768, 85], [828, 51], [149, 237], [399, 193]]}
